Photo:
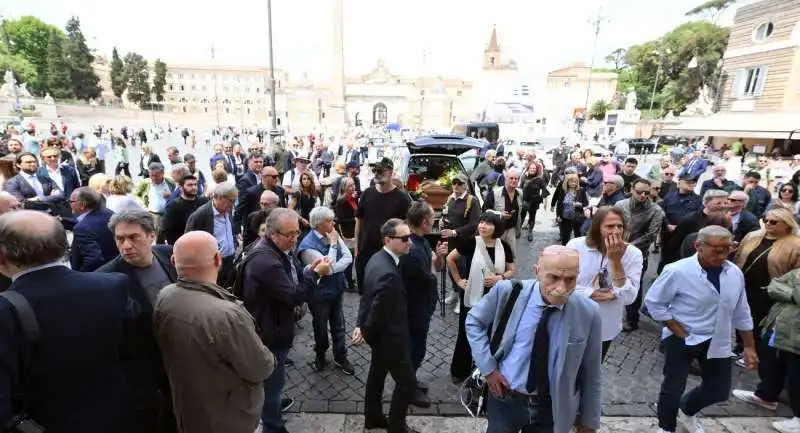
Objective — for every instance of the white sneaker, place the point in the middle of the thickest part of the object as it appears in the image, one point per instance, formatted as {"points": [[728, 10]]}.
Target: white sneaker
{"points": [[788, 425], [451, 298], [740, 362], [457, 309], [752, 398], [690, 423]]}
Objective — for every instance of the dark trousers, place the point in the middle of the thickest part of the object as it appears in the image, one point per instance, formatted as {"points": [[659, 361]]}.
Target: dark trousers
{"points": [[225, 271], [513, 413], [529, 208], [389, 358], [419, 323], [632, 311], [715, 385], [273, 392], [324, 312], [778, 369], [361, 265], [461, 365], [123, 167], [567, 229], [606, 346], [150, 409]]}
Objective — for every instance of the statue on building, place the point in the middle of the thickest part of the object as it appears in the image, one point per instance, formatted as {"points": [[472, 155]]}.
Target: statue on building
{"points": [[630, 101], [49, 99]]}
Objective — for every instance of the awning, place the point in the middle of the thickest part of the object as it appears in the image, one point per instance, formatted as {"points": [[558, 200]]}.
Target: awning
{"points": [[744, 125]]}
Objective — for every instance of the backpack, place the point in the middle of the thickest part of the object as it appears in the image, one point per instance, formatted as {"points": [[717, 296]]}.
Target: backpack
{"points": [[239, 263]]}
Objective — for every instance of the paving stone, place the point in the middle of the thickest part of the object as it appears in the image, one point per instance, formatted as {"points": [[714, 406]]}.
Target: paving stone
{"points": [[748, 425], [315, 406], [349, 407], [317, 423], [631, 373]]}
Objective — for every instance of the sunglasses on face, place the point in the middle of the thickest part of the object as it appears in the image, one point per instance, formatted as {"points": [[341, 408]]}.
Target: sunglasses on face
{"points": [[771, 222], [787, 190], [405, 238]]}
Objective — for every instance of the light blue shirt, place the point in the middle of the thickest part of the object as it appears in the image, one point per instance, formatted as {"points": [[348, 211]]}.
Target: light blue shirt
{"points": [[223, 232], [683, 293], [80, 217], [516, 365]]}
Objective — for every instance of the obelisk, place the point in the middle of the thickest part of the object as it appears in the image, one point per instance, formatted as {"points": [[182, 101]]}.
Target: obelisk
{"points": [[336, 118]]}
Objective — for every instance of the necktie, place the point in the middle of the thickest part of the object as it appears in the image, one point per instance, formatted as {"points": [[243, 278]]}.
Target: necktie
{"points": [[538, 377], [293, 270]]}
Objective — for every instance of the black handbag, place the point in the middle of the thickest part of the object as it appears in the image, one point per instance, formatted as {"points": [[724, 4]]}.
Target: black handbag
{"points": [[473, 391], [21, 422]]}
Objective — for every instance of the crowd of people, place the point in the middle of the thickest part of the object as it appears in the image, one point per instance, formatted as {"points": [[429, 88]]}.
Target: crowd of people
{"points": [[178, 309]]}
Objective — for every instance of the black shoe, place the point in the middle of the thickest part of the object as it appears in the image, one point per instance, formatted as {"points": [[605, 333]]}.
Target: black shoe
{"points": [[288, 362], [286, 404], [319, 363], [530, 237], [628, 327], [345, 365], [694, 369], [457, 380], [422, 386], [382, 423], [420, 399]]}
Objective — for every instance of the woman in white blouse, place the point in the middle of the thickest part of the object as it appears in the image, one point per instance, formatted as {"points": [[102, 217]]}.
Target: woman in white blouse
{"points": [[610, 269]]}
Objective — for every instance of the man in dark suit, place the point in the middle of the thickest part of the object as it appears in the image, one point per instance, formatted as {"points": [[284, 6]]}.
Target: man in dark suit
{"points": [[249, 199], [34, 191], [64, 176], [383, 324], [743, 221], [75, 367], [93, 243], [214, 217], [253, 174], [149, 270]]}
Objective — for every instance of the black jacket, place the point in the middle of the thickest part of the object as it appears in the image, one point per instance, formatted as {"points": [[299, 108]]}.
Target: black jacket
{"points": [[76, 379], [249, 202], [203, 219], [383, 311], [270, 294], [139, 353], [176, 215], [581, 202]]}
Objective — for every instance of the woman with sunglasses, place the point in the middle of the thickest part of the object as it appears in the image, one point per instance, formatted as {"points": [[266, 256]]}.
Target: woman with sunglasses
{"points": [[787, 198], [610, 269], [488, 260], [765, 254]]}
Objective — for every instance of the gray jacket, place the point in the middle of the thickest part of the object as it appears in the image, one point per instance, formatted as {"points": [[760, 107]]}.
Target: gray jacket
{"points": [[575, 385], [644, 223]]}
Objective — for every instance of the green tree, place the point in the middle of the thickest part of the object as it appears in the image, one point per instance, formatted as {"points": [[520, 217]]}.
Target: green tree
{"points": [[712, 9], [617, 58], [24, 71], [159, 79], [118, 80], [85, 81], [59, 81], [599, 109], [29, 38], [138, 77]]}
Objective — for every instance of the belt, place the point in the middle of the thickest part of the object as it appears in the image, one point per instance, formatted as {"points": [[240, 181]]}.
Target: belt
{"points": [[532, 399]]}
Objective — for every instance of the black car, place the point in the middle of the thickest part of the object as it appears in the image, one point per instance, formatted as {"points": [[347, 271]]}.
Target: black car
{"points": [[641, 145]]}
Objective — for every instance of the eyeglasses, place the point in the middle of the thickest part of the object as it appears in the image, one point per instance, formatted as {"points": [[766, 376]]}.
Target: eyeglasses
{"points": [[720, 249], [405, 238], [669, 174], [771, 222], [290, 235], [787, 190], [735, 200]]}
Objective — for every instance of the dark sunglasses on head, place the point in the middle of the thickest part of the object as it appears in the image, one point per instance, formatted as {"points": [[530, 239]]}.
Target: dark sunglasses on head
{"points": [[405, 238], [771, 222]]}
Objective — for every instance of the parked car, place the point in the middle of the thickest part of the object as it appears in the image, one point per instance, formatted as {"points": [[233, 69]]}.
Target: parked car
{"points": [[641, 145], [428, 160]]}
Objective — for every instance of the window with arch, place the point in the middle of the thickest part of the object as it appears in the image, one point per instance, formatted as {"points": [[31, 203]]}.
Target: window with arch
{"points": [[183, 100], [380, 114], [248, 102], [204, 101], [171, 88], [763, 31]]}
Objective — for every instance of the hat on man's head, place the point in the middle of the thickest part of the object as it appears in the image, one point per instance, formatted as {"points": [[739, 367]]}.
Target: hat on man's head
{"points": [[383, 164], [461, 178], [301, 158]]}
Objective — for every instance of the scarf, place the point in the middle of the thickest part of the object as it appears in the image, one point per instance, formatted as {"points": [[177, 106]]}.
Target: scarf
{"points": [[481, 265]]}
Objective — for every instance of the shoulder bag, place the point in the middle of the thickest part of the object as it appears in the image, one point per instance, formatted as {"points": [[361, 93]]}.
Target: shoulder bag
{"points": [[21, 422], [473, 391]]}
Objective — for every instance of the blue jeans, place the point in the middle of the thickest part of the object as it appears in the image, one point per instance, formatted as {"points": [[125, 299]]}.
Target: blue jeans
{"points": [[419, 323], [273, 391], [715, 385], [324, 312], [513, 413]]}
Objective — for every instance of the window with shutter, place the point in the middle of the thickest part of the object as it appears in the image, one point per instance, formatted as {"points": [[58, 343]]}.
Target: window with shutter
{"points": [[762, 81], [737, 83]]}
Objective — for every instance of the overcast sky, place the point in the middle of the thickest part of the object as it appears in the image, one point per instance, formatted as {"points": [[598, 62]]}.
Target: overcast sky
{"points": [[436, 37]]}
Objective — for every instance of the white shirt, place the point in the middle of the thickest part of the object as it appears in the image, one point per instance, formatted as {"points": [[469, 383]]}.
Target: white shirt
{"points": [[33, 181], [591, 263], [55, 175], [157, 202], [118, 203], [394, 256], [683, 293]]}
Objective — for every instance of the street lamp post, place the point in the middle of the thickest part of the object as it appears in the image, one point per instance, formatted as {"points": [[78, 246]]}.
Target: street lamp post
{"points": [[274, 131]]}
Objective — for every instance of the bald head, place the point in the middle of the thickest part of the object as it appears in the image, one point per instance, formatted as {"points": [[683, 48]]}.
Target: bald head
{"points": [[196, 256], [8, 202], [557, 271], [28, 239]]}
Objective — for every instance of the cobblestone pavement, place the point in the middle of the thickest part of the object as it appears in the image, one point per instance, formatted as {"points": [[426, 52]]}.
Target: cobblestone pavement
{"points": [[631, 379], [340, 423]]}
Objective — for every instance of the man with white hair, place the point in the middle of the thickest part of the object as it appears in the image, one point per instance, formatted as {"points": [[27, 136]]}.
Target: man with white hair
{"points": [[214, 217], [325, 299], [743, 221], [507, 200], [700, 299], [718, 181]]}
